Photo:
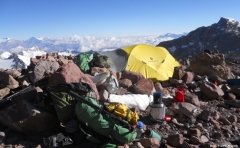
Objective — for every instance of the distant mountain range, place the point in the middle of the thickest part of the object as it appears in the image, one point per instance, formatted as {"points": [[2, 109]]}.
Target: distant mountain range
{"points": [[81, 44], [224, 36]]}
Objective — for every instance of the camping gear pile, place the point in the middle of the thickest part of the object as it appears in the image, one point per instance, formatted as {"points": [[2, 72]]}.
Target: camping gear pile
{"points": [[78, 102]]}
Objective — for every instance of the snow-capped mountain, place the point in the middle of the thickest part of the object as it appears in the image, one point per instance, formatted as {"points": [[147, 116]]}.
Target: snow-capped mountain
{"points": [[82, 44], [20, 52]]}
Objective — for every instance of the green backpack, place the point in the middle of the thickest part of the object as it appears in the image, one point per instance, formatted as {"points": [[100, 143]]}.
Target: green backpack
{"points": [[83, 61], [101, 61], [64, 104], [103, 123]]}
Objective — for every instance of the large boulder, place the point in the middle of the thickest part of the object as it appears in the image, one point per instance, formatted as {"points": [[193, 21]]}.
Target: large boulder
{"points": [[7, 80], [71, 73], [211, 91], [210, 64], [133, 76], [44, 67], [24, 117]]}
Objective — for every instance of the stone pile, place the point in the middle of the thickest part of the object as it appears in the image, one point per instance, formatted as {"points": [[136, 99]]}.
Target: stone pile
{"points": [[209, 117]]}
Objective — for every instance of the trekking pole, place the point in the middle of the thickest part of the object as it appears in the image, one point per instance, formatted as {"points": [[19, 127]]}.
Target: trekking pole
{"points": [[9, 98], [131, 127]]}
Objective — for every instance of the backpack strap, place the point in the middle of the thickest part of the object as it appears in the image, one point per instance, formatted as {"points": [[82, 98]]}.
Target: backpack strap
{"points": [[89, 136]]}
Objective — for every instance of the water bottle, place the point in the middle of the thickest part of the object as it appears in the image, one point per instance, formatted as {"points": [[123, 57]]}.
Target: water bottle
{"points": [[139, 129]]}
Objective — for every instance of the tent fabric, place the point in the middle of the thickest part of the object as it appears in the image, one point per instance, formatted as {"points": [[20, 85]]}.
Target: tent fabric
{"points": [[118, 57], [152, 62]]}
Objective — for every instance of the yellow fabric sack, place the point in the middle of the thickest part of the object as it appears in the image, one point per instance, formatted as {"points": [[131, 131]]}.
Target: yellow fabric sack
{"points": [[124, 112]]}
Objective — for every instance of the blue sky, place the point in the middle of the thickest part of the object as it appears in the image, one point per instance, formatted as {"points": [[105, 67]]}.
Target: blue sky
{"points": [[22, 19]]}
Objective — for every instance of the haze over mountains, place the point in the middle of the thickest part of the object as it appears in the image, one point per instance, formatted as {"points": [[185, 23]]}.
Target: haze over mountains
{"points": [[81, 44]]}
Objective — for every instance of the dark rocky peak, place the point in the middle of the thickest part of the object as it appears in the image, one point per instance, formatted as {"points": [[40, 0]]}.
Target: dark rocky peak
{"points": [[223, 35]]}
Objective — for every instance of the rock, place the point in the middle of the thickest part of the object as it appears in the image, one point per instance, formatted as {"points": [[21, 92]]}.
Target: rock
{"points": [[211, 91], [70, 73], [205, 115], [62, 61], [4, 92], [144, 86], [133, 76], [125, 83], [178, 73], [210, 64], [209, 145], [44, 67], [216, 135], [215, 123], [121, 91], [184, 108], [224, 120], [236, 91], [232, 118], [104, 95], [150, 142], [2, 137], [119, 75], [186, 145], [25, 118], [175, 81], [158, 86], [230, 96], [14, 73], [188, 77], [194, 132], [136, 145], [234, 103], [175, 140], [7, 80], [217, 79], [191, 98], [195, 140], [204, 138]]}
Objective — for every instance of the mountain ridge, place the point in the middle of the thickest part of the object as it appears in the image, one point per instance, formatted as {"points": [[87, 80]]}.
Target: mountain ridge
{"points": [[223, 35]]}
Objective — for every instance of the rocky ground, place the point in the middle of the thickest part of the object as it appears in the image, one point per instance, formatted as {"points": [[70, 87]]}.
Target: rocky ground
{"points": [[209, 116]]}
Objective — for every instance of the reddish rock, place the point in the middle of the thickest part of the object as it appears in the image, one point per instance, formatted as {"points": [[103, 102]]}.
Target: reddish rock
{"points": [[178, 73], [133, 76], [144, 86], [62, 61], [175, 140], [71, 73], [188, 77], [215, 123], [224, 120], [125, 83], [150, 142], [175, 81], [211, 91]]}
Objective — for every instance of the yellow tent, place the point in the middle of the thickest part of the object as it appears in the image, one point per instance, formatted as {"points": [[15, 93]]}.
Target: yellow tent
{"points": [[152, 62]]}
